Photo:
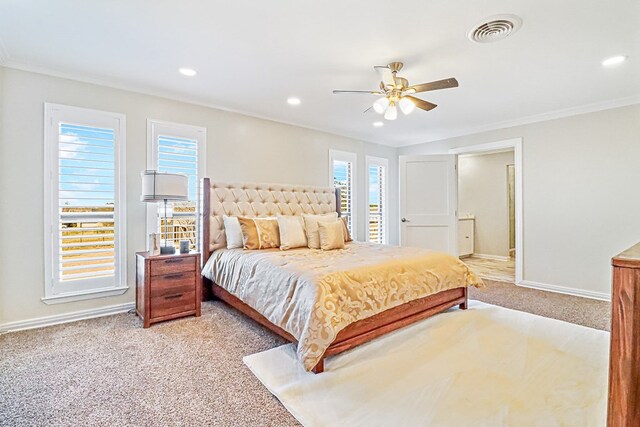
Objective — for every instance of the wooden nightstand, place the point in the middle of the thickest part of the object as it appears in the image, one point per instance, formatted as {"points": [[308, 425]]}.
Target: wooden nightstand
{"points": [[167, 286]]}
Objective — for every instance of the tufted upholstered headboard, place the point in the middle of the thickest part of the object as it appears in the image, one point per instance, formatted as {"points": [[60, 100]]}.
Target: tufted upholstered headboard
{"points": [[257, 200]]}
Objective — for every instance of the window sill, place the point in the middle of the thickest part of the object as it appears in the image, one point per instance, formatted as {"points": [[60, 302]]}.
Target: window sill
{"points": [[84, 295]]}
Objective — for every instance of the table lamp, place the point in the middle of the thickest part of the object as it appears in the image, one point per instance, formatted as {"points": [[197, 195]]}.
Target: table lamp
{"points": [[162, 186]]}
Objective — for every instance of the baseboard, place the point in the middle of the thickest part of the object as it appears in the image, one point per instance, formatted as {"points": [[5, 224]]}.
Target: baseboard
{"points": [[564, 290], [494, 257], [41, 322]]}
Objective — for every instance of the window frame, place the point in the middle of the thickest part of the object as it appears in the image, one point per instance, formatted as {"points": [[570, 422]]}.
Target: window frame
{"points": [[383, 162], [347, 156], [53, 115], [155, 128]]}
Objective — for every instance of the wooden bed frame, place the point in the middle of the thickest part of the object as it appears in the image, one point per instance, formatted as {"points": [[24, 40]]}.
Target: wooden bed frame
{"points": [[353, 335]]}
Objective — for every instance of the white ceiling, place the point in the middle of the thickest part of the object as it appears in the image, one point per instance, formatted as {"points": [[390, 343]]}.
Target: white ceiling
{"points": [[252, 55]]}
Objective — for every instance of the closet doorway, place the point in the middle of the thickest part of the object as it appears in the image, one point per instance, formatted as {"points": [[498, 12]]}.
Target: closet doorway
{"points": [[490, 209]]}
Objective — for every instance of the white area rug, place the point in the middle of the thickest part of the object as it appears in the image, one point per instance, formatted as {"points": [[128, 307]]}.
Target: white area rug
{"points": [[486, 366]]}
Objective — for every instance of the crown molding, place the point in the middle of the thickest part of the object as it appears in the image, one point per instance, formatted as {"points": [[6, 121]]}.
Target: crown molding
{"points": [[551, 115], [8, 62], [101, 81]]}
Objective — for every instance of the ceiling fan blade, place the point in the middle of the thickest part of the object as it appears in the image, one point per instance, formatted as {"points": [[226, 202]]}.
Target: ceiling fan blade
{"points": [[367, 110], [386, 76], [437, 85], [420, 103], [371, 92]]}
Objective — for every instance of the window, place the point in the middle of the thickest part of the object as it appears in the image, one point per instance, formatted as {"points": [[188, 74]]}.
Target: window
{"points": [[343, 172], [377, 200], [85, 252], [177, 148]]}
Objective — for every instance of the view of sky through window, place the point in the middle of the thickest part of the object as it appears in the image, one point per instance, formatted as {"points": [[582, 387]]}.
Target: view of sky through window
{"points": [[86, 197], [86, 162], [374, 185], [179, 155]]}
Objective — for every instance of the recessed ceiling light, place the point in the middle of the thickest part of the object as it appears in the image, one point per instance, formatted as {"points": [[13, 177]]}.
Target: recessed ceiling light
{"points": [[378, 124], [293, 101], [614, 60], [189, 72]]}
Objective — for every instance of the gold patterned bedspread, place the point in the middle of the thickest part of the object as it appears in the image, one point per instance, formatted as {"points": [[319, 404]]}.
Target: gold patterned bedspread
{"points": [[314, 294]]}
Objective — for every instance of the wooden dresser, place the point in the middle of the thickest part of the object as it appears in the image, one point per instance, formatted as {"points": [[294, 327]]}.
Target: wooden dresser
{"points": [[624, 356], [167, 286]]}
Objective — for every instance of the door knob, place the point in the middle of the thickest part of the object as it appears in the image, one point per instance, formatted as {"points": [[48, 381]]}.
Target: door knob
{"points": [[404, 220]]}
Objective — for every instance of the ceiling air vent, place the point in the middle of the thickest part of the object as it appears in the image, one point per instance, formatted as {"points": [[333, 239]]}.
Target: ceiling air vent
{"points": [[495, 28]]}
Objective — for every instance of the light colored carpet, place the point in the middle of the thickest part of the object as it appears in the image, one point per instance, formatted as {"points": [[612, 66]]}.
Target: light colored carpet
{"points": [[111, 372], [486, 366], [582, 311]]}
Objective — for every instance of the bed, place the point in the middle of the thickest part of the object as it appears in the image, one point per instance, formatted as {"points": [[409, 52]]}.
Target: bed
{"points": [[326, 302]]}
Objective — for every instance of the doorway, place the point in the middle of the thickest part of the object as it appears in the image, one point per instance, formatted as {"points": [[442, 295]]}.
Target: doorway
{"points": [[429, 216], [490, 209], [486, 213]]}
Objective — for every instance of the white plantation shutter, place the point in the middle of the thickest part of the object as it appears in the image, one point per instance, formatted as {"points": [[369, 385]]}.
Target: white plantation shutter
{"points": [[343, 180], [343, 166], [83, 229], [178, 148], [179, 155], [86, 196], [377, 203]]}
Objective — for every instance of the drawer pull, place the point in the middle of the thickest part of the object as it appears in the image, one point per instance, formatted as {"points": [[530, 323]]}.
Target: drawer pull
{"points": [[173, 296], [173, 261], [173, 276]]}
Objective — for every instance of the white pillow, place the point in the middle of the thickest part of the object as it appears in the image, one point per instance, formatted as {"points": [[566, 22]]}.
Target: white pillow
{"points": [[292, 234], [233, 232], [311, 225]]}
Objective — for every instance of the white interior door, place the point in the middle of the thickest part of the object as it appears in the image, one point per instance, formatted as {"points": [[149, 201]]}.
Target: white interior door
{"points": [[429, 202]]}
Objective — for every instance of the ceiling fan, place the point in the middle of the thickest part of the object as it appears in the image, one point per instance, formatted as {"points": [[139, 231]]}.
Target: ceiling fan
{"points": [[396, 92]]}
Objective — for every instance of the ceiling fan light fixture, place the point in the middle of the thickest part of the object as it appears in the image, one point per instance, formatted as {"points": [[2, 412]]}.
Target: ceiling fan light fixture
{"points": [[381, 105], [406, 106], [391, 113], [393, 90]]}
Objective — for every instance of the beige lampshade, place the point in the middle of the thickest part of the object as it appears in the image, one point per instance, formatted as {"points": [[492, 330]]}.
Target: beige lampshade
{"points": [[158, 186]]}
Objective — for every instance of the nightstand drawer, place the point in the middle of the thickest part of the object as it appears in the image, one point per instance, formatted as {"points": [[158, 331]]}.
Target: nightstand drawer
{"points": [[172, 265], [173, 303], [184, 279]]}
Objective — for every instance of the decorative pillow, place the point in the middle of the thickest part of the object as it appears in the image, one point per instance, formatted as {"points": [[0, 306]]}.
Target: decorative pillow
{"points": [[345, 229], [259, 233], [311, 226], [331, 235], [292, 234], [233, 232]]}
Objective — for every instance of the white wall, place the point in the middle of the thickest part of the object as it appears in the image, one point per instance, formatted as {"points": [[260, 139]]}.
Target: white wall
{"points": [[581, 193], [240, 148], [482, 192]]}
